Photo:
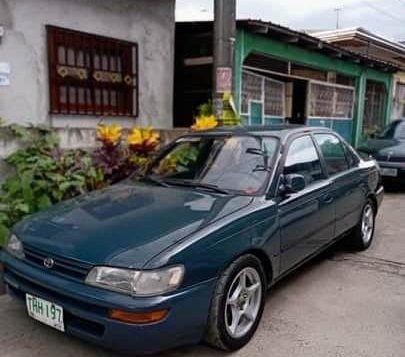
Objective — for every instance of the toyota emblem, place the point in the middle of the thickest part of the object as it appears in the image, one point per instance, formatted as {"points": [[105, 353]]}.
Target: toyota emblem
{"points": [[49, 263]]}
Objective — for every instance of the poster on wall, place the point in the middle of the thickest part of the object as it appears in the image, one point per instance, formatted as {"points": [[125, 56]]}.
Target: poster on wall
{"points": [[224, 79], [5, 71]]}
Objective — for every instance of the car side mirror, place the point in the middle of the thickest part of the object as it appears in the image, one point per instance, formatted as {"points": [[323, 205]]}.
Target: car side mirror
{"points": [[293, 183]]}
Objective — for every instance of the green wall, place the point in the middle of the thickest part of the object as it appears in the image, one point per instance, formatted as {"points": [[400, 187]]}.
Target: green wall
{"points": [[247, 43]]}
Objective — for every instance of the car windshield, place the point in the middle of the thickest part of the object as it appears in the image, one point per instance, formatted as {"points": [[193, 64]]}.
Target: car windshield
{"points": [[227, 164], [396, 130]]}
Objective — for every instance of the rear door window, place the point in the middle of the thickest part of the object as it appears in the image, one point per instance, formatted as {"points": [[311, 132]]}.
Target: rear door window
{"points": [[333, 152], [302, 159]]}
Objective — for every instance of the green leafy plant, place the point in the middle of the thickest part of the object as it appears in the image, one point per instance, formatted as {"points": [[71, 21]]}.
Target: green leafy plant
{"points": [[206, 109], [118, 158], [43, 175]]}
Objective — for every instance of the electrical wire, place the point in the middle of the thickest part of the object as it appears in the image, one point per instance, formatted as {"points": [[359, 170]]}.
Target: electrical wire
{"points": [[383, 12]]}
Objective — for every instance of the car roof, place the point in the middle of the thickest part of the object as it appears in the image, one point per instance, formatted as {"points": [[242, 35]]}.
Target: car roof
{"points": [[281, 131]]}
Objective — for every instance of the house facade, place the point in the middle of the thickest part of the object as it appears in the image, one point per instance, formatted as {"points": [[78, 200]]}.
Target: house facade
{"points": [[366, 43], [71, 64], [283, 75]]}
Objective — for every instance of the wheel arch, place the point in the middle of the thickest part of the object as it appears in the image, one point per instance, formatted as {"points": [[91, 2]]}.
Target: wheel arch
{"points": [[264, 260], [372, 197]]}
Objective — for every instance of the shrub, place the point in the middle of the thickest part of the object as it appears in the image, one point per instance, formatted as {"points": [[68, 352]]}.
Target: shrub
{"points": [[118, 159], [43, 175]]}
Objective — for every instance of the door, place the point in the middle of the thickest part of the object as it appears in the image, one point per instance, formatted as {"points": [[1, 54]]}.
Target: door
{"points": [[256, 113], [306, 217], [348, 190], [299, 107]]}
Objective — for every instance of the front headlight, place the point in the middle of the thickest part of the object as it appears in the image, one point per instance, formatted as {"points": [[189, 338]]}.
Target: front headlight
{"points": [[135, 282], [15, 247]]}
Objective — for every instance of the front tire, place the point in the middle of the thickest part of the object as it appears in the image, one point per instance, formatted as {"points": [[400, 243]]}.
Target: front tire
{"points": [[237, 305], [363, 233]]}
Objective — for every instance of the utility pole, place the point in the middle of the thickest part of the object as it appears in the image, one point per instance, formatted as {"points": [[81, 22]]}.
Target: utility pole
{"points": [[224, 41], [337, 10]]}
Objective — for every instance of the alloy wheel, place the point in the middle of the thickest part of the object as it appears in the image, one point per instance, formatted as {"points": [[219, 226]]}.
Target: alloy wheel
{"points": [[243, 302], [367, 224]]}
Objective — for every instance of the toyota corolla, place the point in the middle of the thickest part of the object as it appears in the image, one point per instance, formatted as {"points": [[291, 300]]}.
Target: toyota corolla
{"points": [[186, 251]]}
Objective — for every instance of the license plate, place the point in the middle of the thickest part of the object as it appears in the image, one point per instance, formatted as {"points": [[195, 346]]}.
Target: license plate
{"points": [[389, 172], [46, 312]]}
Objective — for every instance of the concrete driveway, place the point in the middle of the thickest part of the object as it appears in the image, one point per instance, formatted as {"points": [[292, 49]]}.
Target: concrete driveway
{"points": [[339, 305]]}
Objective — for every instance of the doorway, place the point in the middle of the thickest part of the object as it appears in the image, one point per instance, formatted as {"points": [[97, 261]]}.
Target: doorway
{"points": [[299, 102]]}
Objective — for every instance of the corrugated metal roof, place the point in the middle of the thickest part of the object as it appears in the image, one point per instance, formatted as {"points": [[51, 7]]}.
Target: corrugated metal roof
{"points": [[303, 39]]}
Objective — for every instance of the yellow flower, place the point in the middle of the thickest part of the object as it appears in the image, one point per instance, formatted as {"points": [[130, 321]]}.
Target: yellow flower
{"points": [[143, 140], [205, 123], [109, 134]]}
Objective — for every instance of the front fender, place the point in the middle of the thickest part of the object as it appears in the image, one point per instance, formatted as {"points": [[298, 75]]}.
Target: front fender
{"points": [[206, 254]]}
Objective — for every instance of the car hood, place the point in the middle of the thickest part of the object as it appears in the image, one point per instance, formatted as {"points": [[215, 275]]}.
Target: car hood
{"points": [[125, 225], [382, 147]]}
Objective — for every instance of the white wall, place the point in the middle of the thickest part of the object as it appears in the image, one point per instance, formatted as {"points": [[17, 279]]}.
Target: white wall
{"points": [[150, 23], [397, 108]]}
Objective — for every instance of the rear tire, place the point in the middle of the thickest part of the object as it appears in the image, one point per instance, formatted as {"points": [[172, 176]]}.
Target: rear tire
{"points": [[237, 305], [363, 233]]}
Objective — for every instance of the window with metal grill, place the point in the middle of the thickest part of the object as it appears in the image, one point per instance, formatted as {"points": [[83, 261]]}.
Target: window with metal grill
{"points": [[91, 75]]}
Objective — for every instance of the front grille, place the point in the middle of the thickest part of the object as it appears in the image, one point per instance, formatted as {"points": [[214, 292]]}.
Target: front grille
{"points": [[72, 268], [71, 305]]}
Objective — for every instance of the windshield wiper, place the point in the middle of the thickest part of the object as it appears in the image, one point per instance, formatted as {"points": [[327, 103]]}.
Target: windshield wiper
{"points": [[196, 184], [262, 168], [155, 180]]}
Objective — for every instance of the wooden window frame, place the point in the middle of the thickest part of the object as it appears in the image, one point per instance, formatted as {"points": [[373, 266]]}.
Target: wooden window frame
{"points": [[109, 87]]}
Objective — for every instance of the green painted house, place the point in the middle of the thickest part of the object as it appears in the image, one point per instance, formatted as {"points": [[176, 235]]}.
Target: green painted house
{"points": [[281, 75]]}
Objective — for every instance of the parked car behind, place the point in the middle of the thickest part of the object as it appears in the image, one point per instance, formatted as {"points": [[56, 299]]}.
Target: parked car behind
{"points": [[388, 149], [187, 251]]}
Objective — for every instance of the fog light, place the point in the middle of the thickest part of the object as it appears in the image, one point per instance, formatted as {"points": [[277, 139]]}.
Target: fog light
{"points": [[138, 317]]}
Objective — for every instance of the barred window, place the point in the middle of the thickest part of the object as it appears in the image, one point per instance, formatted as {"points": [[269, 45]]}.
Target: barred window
{"points": [[252, 86], [374, 106], [91, 75], [267, 91], [274, 97], [330, 101]]}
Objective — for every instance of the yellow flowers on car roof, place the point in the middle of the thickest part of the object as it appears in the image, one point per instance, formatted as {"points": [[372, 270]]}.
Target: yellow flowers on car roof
{"points": [[205, 123]]}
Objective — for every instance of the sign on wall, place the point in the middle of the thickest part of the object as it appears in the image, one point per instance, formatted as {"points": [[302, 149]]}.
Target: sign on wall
{"points": [[224, 79], [5, 71]]}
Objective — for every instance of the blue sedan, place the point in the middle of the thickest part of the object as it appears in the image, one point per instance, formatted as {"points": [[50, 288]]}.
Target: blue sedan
{"points": [[185, 251]]}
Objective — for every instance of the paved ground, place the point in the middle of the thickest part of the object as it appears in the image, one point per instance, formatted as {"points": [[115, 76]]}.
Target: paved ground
{"points": [[340, 305]]}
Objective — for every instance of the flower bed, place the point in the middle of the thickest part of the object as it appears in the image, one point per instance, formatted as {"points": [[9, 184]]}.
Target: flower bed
{"points": [[45, 174]]}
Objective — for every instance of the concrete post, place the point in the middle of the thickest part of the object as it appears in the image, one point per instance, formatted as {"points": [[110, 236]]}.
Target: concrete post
{"points": [[224, 40]]}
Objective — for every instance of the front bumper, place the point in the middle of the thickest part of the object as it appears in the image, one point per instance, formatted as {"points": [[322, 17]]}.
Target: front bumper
{"points": [[400, 166], [86, 310]]}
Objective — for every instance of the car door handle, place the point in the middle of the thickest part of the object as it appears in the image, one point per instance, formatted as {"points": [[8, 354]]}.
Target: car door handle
{"points": [[328, 198]]}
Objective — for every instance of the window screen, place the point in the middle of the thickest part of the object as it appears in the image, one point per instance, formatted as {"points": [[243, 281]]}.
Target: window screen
{"points": [[259, 89], [329, 101]]}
